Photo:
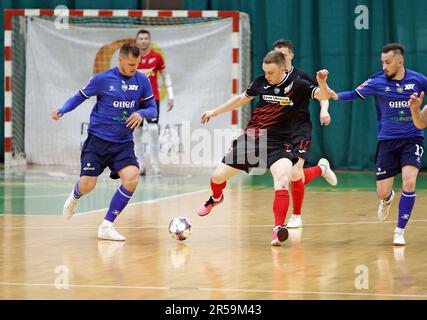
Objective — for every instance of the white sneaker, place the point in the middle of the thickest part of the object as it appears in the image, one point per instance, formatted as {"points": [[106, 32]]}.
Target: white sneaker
{"points": [[294, 221], [327, 172], [106, 231], [384, 208], [69, 206], [398, 239]]}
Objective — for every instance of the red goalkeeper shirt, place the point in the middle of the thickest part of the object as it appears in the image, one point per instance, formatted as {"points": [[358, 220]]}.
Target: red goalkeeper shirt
{"points": [[150, 64]]}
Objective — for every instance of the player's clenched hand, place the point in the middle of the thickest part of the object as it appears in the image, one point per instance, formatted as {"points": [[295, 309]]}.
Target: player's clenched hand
{"points": [[56, 115], [207, 115], [170, 104], [325, 118], [322, 76], [134, 120], [415, 101]]}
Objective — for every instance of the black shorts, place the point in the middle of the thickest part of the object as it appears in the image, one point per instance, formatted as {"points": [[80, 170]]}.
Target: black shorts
{"points": [[97, 154], [154, 120], [301, 145], [394, 154], [247, 153]]}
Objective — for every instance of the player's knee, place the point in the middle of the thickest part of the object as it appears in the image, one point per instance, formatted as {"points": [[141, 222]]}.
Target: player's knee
{"points": [[217, 177], [383, 193], [282, 183], [408, 185], [86, 185], [130, 182]]}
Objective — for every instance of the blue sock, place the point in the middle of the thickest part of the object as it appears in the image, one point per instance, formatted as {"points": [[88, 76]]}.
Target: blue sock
{"points": [[76, 192], [118, 203], [406, 204]]}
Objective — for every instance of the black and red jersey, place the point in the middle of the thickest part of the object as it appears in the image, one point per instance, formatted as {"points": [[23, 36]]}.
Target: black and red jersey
{"points": [[278, 106]]}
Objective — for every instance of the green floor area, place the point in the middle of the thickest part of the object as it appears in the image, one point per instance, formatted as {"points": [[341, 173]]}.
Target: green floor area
{"points": [[36, 194]]}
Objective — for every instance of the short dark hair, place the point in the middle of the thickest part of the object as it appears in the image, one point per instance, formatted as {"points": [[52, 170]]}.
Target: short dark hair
{"points": [[129, 49], [283, 43], [395, 47], [144, 32], [274, 57]]}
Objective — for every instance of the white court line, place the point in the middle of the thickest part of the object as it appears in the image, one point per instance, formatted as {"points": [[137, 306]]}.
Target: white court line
{"points": [[41, 196], [226, 226], [96, 286], [104, 209], [146, 201]]}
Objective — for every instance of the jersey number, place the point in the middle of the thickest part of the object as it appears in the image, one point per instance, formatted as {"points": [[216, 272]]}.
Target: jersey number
{"points": [[420, 150]]}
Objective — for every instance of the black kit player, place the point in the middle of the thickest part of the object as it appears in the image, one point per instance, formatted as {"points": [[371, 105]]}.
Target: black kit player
{"points": [[268, 134]]}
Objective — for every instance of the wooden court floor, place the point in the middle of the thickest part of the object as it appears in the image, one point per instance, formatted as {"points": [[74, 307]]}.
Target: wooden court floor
{"points": [[342, 252]]}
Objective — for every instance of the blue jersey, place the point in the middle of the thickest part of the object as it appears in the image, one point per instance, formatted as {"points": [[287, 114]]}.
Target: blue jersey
{"points": [[394, 120], [118, 97]]}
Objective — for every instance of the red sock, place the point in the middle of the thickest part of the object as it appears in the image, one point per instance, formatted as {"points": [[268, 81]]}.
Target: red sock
{"points": [[312, 173], [297, 190], [280, 207], [217, 189]]}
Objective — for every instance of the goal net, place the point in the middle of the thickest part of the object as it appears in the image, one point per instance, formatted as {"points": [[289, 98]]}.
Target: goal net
{"points": [[49, 56]]}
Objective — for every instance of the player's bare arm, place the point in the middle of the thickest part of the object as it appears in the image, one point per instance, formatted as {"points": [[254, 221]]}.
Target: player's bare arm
{"points": [[325, 118], [168, 83], [418, 116], [322, 93], [234, 103]]}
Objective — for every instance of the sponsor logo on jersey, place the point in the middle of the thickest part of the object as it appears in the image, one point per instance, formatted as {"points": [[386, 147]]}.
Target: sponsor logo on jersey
{"points": [[147, 72], [410, 86], [130, 87], [124, 104], [152, 60], [398, 104], [283, 101], [387, 89], [112, 88], [276, 90]]}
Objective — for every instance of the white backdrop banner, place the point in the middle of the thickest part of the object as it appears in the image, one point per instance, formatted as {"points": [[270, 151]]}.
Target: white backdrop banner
{"points": [[60, 62]]}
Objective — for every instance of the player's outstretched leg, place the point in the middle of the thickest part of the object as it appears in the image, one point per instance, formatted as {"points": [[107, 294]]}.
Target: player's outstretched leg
{"points": [[327, 172], [82, 187], [218, 182], [297, 191]]}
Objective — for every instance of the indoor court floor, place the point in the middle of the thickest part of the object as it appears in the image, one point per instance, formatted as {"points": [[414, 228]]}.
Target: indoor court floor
{"points": [[342, 252]]}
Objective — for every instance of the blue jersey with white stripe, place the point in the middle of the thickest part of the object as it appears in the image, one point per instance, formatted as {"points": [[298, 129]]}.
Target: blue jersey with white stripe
{"points": [[118, 97], [394, 120]]}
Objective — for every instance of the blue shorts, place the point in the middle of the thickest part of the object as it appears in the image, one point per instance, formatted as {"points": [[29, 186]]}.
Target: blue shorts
{"points": [[394, 154], [97, 154]]}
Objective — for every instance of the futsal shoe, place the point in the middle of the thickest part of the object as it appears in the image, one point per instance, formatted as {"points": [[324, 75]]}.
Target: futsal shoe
{"points": [[384, 207], [398, 239], [294, 221], [69, 206], [206, 207], [280, 234], [106, 231], [327, 172]]}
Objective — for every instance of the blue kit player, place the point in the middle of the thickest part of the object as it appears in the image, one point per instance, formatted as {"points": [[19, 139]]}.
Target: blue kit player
{"points": [[400, 142], [115, 115]]}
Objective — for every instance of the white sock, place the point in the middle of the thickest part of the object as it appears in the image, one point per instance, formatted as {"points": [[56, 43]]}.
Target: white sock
{"points": [[399, 230], [106, 223]]}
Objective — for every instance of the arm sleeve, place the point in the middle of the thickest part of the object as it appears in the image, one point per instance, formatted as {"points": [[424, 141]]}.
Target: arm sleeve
{"points": [[151, 109], [307, 88], [72, 103], [252, 90], [348, 95], [367, 88], [92, 88]]}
